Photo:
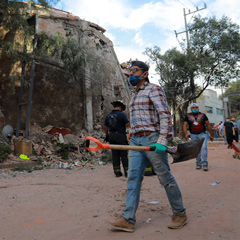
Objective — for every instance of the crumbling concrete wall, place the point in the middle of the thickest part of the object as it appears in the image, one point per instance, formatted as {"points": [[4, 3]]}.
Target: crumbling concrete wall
{"points": [[58, 98]]}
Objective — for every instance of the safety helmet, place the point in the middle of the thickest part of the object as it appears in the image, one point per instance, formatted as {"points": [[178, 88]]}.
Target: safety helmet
{"points": [[233, 119], [119, 103]]}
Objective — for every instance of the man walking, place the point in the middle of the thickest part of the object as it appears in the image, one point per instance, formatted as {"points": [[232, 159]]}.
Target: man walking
{"points": [[151, 125], [198, 123], [115, 129], [229, 131], [235, 125]]}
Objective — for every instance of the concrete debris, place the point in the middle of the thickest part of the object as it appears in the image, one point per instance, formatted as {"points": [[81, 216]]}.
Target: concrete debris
{"points": [[70, 138], [57, 150], [61, 139], [149, 220], [52, 130]]}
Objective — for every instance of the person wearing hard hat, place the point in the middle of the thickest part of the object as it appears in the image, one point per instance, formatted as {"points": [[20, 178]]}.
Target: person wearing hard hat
{"points": [[115, 129]]}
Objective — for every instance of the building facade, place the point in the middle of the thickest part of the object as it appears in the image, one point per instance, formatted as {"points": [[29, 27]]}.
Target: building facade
{"points": [[61, 99]]}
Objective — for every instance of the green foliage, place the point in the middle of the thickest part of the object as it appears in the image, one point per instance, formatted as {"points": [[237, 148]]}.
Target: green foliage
{"points": [[174, 73], [65, 149], [20, 46], [67, 49], [51, 46], [46, 3], [17, 29], [215, 47], [5, 149], [18, 32], [72, 56], [234, 100], [213, 58]]}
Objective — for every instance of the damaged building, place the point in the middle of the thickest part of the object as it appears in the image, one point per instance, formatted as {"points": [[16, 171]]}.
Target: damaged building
{"points": [[77, 99]]}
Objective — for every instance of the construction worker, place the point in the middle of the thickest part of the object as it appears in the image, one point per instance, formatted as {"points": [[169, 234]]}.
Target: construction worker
{"points": [[198, 124], [115, 129]]}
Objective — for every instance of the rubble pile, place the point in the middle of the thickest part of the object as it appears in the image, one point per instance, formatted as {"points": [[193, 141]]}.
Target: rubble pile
{"points": [[60, 149]]}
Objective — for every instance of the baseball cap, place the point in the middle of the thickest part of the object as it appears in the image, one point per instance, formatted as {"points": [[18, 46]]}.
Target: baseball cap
{"points": [[141, 65]]}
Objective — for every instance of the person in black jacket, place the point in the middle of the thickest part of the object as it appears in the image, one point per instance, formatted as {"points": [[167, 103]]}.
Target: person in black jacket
{"points": [[229, 131], [115, 128], [235, 125]]}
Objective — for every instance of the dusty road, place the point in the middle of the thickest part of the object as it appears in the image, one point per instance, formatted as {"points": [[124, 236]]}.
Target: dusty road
{"points": [[63, 204]]}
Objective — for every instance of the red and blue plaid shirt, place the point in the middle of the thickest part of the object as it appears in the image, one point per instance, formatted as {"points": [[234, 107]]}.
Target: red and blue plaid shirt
{"points": [[149, 112]]}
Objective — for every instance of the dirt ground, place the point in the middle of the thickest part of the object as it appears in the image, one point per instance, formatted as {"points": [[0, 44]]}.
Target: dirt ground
{"points": [[60, 204]]}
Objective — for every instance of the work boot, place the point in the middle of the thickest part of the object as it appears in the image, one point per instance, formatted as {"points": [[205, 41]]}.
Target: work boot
{"points": [[177, 221], [119, 174], [121, 224], [198, 167], [126, 172], [205, 167]]}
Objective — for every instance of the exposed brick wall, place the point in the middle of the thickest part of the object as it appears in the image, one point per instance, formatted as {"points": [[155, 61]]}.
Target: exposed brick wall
{"points": [[59, 99]]}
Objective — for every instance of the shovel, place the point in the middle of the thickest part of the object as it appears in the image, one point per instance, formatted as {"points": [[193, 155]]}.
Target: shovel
{"points": [[183, 152]]}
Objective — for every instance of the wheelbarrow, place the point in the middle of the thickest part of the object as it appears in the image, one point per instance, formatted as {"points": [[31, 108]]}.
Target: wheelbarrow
{"points": [[183, 151]]}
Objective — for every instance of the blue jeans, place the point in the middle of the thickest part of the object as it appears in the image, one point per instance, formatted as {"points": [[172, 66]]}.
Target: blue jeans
{"points": [[136, 169], [204, 152]]}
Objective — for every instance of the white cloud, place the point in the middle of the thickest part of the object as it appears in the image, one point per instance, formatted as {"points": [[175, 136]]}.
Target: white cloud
{"points": [[167, 15], [138, 39], [118, 13], [125, 53], [110, 36], [104, 12], [163, 17], [229, 8]]}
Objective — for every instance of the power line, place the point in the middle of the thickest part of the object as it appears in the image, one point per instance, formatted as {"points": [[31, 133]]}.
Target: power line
{"points": [[208, 8], [185, 20], [193, 3], [183, 4]]}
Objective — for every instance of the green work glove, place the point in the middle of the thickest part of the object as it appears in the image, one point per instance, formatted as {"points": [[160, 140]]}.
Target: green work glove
{"points": [[159, 147]]}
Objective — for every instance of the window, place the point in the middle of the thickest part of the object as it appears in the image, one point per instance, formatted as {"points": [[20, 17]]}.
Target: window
{"points": [[209, 109], [219, 111]]}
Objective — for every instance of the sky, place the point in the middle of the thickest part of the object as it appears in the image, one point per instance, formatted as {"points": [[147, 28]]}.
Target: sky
{"points": [[134, 25]]}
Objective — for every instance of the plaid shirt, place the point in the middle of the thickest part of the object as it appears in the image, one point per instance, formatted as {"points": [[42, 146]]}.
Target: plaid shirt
{"points": [[149, 112]]}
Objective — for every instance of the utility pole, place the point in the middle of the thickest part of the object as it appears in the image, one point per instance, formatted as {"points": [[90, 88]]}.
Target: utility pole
{"points": [[186, 28], [192, 85], [185, 21], [24, 62]]}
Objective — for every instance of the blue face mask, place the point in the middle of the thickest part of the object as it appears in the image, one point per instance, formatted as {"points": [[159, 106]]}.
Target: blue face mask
{"points": [[134, 80], [195, 110]]}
